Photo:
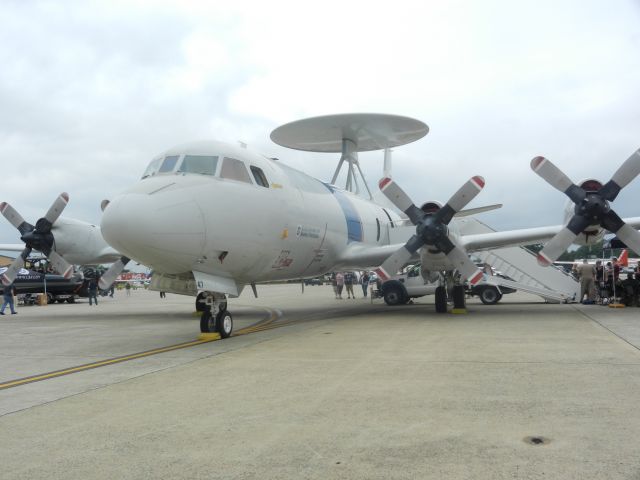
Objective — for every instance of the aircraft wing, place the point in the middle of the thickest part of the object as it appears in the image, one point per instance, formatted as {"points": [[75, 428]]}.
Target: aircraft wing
{"points": [[359, 256], [525, 236], [11, 247]]}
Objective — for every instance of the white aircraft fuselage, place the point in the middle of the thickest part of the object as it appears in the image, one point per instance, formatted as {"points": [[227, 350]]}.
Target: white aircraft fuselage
{"points": [[226, 224]]}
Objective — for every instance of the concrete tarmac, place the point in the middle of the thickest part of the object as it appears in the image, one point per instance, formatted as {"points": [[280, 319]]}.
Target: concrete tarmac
{"points": [[340, 389]]}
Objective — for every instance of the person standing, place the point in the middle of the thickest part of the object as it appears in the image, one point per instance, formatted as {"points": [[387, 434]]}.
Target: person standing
{"points": [[163, 295], [7, 294], [348, 282], [586, 273], [93, 291], [365, 283], [339, 284], [127, 287]]}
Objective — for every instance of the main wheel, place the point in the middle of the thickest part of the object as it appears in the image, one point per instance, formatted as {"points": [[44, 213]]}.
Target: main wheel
{"points": [[490, 295], [207, 322], [224, 322], [71, 300], [393, 295], [441, 300]]}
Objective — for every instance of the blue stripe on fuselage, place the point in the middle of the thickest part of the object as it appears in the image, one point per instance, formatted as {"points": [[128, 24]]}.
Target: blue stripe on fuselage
{"points": [[354, 224]]}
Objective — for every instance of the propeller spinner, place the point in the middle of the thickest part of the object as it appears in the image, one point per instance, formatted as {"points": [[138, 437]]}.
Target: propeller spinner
{"points": [[431, 229], [36, 238], [591, 208]]}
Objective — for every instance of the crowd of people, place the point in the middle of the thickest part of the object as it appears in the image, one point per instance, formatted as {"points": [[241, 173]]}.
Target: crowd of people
{"points": [[344, 281], [602, 284]]}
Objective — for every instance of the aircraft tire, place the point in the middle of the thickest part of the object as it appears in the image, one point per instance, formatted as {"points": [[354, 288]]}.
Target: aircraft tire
{"points": [[490, 295], [224, 323], [71, 300], [393, 295], [441, 300], [207, 322]]}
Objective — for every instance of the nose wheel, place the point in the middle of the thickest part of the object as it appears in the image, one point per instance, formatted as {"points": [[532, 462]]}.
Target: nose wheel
{"points": [[221, 323], [215, 317]]}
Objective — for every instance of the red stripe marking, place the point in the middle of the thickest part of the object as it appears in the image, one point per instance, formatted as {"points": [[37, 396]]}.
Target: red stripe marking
{"points": [[479, 181], [382, 274], [543, 259], [65, 196], [476, 278], [384, 182]]}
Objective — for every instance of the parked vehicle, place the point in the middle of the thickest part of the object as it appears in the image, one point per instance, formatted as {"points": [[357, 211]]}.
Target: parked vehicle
{"points": [[403, 287], [59, 289]]}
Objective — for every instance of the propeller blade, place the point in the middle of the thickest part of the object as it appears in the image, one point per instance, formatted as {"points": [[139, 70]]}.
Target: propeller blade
{"points": [[557, 179], [393, 192], [59, 264], [561, 241], [10, 274], [623, 176], [112, 273], [460, 199], [399, 258], [57, 207], [468, 270], [630, 236], [12, 215]]}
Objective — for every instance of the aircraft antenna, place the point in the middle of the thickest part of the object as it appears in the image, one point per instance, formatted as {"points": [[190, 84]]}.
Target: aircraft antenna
{"points": [[349, 134]]}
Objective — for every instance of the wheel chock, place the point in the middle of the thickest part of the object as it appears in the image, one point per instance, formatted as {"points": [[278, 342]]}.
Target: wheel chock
{"points": [[616, 305], [458, 310], [209, 336]]}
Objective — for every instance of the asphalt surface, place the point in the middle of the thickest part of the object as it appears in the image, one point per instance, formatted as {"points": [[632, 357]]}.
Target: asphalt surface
{"points": [[321, 388]]}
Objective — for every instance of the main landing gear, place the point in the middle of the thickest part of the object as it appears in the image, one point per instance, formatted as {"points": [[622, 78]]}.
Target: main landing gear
{"points": [[458, 295], [215, 317]]}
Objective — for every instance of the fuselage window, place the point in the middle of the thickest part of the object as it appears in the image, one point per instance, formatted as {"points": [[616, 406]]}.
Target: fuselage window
{"points": [[389, 217], [201, 164], [378, 229], [259, 177], [234, 170], [168, 164]]}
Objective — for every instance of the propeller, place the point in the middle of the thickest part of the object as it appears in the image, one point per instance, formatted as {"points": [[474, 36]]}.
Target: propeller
{"points": [[36, 238], [431, 229], [112, 273], [592, 207]]}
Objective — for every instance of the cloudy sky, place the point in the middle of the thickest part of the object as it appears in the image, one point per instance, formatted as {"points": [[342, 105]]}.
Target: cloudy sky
{"points": [[90, 91]]}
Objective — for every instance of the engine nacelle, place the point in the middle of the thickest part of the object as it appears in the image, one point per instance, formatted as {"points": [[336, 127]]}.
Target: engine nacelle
{"points": [[81, 243]]}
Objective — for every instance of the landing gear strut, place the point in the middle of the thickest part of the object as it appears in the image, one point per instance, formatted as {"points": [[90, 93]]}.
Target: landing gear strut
{"points": [[215, 316]]}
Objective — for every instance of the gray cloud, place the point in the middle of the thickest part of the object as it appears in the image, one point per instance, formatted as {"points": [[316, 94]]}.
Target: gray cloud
{"points": [[91, 91]]}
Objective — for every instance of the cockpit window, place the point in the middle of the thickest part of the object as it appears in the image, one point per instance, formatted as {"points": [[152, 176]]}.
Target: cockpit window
{"points": [[259, 177], [152, 168], [234, 170], [168, 164], [201, 164]]}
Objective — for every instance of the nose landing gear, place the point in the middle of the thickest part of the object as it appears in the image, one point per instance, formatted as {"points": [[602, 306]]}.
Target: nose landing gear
{"points": [[215, 317]]}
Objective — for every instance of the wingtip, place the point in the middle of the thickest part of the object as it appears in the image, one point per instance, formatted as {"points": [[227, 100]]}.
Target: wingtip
{"points": [[65, 196]]}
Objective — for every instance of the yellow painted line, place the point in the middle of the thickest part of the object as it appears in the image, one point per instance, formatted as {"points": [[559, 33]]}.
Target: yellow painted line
{"points": [[204, 338], [102, 363]]}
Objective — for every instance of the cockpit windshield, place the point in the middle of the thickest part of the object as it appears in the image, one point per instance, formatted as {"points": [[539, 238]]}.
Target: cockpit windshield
{"points": [[202, 164]]}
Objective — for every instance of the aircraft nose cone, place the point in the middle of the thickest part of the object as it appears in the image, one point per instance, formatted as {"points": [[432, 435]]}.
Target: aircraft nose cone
{"points": [[150, 228]]}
